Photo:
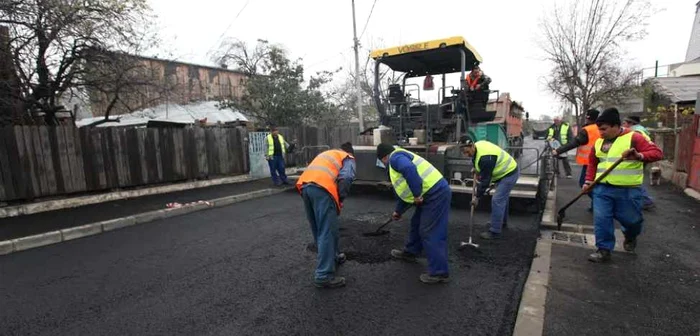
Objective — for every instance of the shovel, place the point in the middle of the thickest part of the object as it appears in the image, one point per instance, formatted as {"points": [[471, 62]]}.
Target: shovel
{"points": [[562, 211], [379, 231]]}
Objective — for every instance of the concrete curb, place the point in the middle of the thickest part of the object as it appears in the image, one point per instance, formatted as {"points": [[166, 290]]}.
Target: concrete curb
{"points": [[54, 237], [692, 193], [32, 208], [530, 319]]}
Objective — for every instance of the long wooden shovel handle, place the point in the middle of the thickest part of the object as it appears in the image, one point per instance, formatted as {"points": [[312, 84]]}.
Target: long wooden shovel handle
{"points": [[597, 180]]}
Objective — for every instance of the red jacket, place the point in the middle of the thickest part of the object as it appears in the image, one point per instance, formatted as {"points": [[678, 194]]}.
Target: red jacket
{"points": [[648, 149]]}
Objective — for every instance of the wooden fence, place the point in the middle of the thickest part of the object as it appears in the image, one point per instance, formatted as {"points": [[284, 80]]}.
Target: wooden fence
{"points": [[41, 161], [313, 138]]}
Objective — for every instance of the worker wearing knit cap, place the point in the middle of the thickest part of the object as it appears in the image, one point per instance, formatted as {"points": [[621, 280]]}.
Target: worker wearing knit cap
{"points": [[417, 182], [584, 140], [633, 123], [618, 196]]}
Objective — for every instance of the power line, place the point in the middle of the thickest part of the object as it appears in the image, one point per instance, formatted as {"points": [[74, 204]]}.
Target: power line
{"points": [[368, 17], [229, 25]]}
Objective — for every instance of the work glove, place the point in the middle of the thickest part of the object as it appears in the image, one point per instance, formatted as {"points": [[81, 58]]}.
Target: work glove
{"points": [[418, 201], [475, 201], [396, 216]]}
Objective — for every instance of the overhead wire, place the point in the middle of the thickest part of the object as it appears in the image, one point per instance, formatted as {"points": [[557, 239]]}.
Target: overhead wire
{"points": [[229, 26], [368, 18]]}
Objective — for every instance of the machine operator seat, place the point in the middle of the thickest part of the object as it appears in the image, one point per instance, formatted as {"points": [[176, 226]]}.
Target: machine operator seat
{"points": [[396, 94], [478, 101]]}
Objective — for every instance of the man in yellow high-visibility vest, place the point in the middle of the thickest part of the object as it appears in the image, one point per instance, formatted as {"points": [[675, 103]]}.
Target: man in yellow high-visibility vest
{"points": [[634, 123], [561, 132], [494, 165], [618, 196], [276, 149], [417, 182]]}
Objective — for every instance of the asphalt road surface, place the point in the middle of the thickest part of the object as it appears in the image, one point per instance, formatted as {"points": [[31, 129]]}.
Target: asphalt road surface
{"points": [[245, 270]]}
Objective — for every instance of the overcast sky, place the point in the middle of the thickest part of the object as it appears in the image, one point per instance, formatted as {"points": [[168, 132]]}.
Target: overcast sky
{"points": [[320, 32]]}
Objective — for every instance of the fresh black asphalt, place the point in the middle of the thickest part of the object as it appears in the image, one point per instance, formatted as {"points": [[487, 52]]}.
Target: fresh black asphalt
{"points": [[245, 269], [655, 292], [22, 226]]}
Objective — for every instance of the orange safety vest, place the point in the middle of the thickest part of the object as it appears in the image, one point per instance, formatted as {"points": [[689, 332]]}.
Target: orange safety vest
{"points": [[584, 151], [323, 171], [473, 82]]}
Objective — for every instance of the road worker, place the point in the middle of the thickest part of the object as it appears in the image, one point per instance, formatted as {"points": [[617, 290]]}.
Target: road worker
{"points": [[493, 165], [584, 140], [276, 149], [324, 185], [633, 123], [561, 132], [417, 182], [618, 196], [477, 80]]}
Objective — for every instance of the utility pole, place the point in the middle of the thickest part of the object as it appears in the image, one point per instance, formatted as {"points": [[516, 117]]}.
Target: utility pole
{"points": [[357, 70]]}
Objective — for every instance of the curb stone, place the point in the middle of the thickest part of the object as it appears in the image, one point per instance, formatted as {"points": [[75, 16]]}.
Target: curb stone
{"points": [[53, 237], [530, 318], [81, 231]]}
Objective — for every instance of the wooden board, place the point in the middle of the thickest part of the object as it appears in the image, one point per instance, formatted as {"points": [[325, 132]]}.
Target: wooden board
{"points": [[201, 152], [81, 184], [27, 156]]}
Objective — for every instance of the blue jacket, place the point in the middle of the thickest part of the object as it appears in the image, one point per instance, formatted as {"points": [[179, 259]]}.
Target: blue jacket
{"points": [[402, 162]]}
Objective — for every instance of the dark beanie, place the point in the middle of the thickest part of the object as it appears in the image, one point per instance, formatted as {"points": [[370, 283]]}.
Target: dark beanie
{"points": [[347, 147], [609, 116], [592, 114], [633, 120], [384, 150]]}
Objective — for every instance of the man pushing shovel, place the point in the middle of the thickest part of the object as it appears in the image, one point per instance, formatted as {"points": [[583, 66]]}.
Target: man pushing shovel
{"points": [[417, 182]]}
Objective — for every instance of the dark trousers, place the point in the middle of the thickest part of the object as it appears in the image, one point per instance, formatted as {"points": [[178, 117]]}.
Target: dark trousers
{"points": [[567, 166], [429, 230], [277, 173]]}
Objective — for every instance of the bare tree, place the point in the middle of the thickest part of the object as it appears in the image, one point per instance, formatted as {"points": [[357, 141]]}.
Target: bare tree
{"points": [[50, 39], [123, 82], [584, 43]]}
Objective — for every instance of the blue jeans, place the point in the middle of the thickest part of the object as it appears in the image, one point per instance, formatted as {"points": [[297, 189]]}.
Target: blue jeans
{"points": [[429, 229], [322, 213], [276, 164], [623, 204], [500, 201]]}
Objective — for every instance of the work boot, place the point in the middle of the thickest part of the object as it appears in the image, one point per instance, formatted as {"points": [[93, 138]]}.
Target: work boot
{"points": [[600, 256], [488, 235], [629, 244], [286, 183], [503, 226], [403, 255], [340, 259], [434, 279], [335, 282]]}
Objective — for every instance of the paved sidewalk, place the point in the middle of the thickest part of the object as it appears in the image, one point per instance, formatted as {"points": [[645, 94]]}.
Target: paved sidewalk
{"points": [[653, 292], [27, 225]]}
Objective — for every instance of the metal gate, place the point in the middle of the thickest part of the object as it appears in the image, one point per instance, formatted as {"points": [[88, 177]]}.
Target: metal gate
{"points": [[256, 152]]}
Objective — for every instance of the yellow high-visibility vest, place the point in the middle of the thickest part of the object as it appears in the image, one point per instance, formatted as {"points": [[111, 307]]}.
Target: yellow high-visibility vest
{"points": [[629, 173], [504, 165], [426, 171]]}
